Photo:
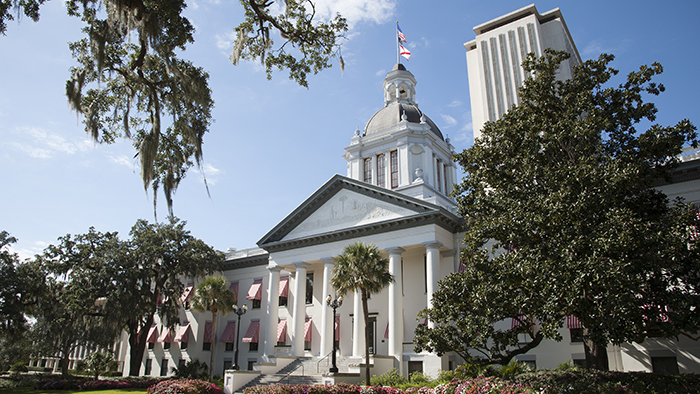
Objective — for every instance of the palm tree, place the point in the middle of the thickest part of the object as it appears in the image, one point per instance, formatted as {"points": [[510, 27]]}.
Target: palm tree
{"points": [[213, 294], [361, 268]]}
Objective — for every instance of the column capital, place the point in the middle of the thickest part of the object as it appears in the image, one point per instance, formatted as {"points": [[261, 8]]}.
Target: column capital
{"points": [[327, 260], [275, 268], [300, 264], [431, 244], [395, 249]]}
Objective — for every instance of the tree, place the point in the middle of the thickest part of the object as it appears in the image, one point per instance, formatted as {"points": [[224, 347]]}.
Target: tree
{"points": [[130, 82], [213, 294], [66, 314], [149, 281], [563, 220], [361, 268], [97, 363]]}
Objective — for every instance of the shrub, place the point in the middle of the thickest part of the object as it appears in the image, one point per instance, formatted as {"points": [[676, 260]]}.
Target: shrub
{"points": [[592, 381], [192, 369], [512, 369], [19, 366], [390, 378], [184, 386]]}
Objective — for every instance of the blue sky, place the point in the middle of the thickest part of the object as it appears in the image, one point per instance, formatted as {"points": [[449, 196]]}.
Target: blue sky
{"points": [[273, 143]]}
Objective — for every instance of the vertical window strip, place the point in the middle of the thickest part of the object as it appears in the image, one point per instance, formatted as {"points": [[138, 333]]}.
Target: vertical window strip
{"points": [[510, 102], [523, 47], [533, 38], [515, 64], [445, 176], [381, 170], [497, 77], [439, 176], [487, 80], [394, 158], [368, 170]]}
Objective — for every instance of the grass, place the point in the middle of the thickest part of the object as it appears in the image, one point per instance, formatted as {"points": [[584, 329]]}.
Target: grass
{"points": [[30, 390]]}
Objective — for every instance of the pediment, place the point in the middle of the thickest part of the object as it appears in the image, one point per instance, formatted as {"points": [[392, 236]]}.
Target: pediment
{"points": [[347, 209], [344, 205]]}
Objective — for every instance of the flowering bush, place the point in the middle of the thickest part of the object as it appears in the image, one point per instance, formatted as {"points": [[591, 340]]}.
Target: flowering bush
{"points": [[184, 386], [75, 384]]}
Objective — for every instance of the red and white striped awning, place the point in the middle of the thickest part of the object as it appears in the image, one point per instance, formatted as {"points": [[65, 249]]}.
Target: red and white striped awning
{"points": [[152, 334], [208, 333], [251, 335], [229, 335], [183, 334], [234, 289], [188, 293], [284, 286], [165, 336], [255, 291], [282, 331], [573, 322], [307, 329]]}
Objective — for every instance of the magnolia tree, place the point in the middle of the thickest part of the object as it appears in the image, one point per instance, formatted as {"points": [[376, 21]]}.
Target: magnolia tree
{"points": [[563, 219]]}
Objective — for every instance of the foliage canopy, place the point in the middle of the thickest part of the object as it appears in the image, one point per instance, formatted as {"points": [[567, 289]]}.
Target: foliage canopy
{"points": [[563, 219], [131, 82]]}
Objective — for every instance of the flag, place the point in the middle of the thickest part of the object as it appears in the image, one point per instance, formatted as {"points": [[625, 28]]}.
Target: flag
{"points": [[404, 52], [402, 38]]}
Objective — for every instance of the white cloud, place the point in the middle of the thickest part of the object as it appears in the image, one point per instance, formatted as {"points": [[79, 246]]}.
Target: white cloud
{"points": [[41, 144], [355, 11], [381, 73], [28, 253], [124, 161], [211, 173], [455, 103], [450, 121]]}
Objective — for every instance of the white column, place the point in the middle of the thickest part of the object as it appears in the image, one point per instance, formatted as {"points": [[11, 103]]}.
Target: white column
{"points": [[358, 327], [273, 294], [432, 271], [396, 305], [326, 326], [299, 309]]}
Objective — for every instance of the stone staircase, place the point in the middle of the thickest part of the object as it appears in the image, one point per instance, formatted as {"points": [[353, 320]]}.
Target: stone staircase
{"points": [[303, 370]]}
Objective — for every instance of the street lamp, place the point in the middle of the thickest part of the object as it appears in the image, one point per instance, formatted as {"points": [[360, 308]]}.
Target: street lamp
{"points": [[335, 304], [240, 312]]}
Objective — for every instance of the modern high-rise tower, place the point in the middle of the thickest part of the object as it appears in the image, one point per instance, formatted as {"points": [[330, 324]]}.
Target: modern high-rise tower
{"points": [[495, 56]]}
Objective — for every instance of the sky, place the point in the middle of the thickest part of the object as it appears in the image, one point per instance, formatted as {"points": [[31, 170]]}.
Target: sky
{"points": [[273, 143]]}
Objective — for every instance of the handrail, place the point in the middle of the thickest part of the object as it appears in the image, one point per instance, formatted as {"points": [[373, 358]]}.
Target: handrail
{"points": [[294, 370], [321, 359]]}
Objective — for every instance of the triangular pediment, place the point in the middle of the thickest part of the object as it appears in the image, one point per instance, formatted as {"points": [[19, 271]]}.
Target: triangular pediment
{"points": [[347, 209], [344, 205]]}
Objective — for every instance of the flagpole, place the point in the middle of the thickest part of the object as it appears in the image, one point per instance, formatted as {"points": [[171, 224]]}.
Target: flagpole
{"points": [[398, 51]]}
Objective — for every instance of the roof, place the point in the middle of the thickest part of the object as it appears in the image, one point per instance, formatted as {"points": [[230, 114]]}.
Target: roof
{"points": [[390, 116]]}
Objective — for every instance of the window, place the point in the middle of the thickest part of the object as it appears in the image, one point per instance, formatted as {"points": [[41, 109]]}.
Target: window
{"points": [[381, 170], [166, 345], [183, 345], [415, 366], [309, 287], [255, 293], [576, 334], [284, 290], [147, 367], [181, 363], [164, 367], [250, 364], [253, 347], [256, 304], [307, 345], [151, 345], [368, 170], [227, 365], [439, 175], [229, 347], [579, 362], [206, 346], [394, 163], [444, 173], [667, 364]]}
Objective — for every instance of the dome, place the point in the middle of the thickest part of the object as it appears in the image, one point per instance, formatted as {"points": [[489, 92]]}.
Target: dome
{"points": [[390, 116]]}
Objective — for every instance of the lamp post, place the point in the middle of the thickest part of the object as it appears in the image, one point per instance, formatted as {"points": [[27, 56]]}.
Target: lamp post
{"points": [[240, 312], [335, 304]]}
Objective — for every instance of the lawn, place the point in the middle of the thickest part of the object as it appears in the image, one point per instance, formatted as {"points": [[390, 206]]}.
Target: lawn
{"points": [[30, 390]]}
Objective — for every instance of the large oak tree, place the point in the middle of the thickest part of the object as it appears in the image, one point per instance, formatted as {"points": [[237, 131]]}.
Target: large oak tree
{"points": [[563, 219]]}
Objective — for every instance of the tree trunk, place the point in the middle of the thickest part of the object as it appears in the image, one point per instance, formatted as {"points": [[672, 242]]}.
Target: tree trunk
{"points": [[365, 312], [596, 355], [214, 312], [137, 347]]}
